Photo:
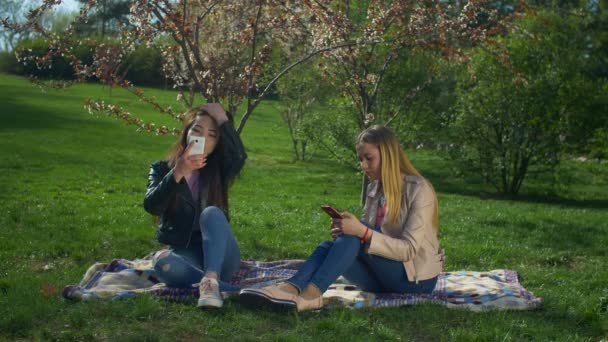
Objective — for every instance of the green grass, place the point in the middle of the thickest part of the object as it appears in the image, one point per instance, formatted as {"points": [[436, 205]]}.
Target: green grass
{"points": [[71, 190]]}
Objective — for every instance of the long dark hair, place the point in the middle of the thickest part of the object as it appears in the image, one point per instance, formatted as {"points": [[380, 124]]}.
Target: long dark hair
{"points": [[212, 172]]}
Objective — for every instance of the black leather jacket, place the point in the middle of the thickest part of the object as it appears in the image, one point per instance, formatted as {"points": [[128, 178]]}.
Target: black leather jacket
{"points": [[178, 217]]}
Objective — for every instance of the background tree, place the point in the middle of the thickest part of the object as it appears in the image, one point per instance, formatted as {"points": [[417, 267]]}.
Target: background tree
{"points": [[106, 17], [220, 50], [426, 110], [400, 32], [513, 118], [216, 49], [302, 97], [15, 11]]}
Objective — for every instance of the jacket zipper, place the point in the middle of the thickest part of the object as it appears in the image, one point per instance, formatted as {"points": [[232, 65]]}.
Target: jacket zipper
{"points": [[193, 221]]}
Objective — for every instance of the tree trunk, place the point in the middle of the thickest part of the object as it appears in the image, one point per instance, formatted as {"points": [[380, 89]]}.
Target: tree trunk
{"points": [[295, 148]]}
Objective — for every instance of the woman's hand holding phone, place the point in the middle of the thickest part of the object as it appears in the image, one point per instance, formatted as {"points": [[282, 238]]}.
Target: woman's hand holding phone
{"points": [[187, 163], [349, 225], [334, 230]]}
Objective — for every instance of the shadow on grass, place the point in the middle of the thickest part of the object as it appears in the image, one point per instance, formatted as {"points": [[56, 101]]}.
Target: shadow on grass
{"points": [[561, 236], [17, 114], [445, 183], [550, 199]]}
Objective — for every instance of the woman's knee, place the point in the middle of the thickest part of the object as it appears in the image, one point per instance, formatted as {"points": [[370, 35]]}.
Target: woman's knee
{"points": [[341, 240], [212, 215], [158, 261], [326, 244], [348, 239], [323, 248]]}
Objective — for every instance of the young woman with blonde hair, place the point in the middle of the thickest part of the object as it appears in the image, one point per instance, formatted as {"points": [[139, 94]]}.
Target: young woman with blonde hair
{"points": [[394, 248]]}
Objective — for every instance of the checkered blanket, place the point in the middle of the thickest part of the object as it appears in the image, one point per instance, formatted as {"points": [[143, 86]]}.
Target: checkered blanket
{"points": [[477, 291]]}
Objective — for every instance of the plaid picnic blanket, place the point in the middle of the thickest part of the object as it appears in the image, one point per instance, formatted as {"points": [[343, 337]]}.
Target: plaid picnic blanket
{"points": [[477, 291]]}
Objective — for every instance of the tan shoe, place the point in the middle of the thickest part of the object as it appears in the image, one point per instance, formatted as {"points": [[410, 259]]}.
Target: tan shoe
{"points": [[270, 297], [303, 304]]}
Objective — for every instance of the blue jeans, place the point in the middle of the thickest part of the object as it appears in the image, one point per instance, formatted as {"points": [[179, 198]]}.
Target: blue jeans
{"points": [[346, 256], [216, 251]]}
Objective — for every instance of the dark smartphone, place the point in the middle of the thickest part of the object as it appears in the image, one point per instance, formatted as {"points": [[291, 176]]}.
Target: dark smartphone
{"points": [[331, 211]]}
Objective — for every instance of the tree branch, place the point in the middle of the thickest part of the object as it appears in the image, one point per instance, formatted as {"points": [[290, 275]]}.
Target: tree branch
{"points": [[252, 60], [285, 70], [200, 18]]}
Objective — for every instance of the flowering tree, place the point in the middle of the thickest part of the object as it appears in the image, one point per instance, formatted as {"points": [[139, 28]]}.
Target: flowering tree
{"points": [[215, 49], [390, 27], [390, 32], [220, 49]]}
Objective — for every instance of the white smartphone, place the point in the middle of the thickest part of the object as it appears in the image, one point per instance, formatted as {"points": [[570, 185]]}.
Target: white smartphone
{"points": [[199, 145]]}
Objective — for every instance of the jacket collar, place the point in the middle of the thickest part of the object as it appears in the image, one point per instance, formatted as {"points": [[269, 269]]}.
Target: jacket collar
{"points": [[374, 187]]}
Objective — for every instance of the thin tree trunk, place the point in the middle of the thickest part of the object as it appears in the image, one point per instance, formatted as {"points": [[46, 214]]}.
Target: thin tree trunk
{"points": [[295, 148]]}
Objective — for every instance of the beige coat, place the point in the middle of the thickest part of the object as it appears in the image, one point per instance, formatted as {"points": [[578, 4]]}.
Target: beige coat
{"points": [[412, 239]]}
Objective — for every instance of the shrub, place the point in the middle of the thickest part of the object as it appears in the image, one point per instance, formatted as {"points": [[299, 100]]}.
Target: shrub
{"points": [[511, 117], [8, 62], [145, 67], [59, 68]]}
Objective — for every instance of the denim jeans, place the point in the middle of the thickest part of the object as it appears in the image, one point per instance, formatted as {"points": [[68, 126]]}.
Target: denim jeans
{"points": [[346, 256], [216, 251]]}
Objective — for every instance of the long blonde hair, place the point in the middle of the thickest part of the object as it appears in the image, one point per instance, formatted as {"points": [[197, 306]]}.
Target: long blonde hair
{"points": [[394, 164]]}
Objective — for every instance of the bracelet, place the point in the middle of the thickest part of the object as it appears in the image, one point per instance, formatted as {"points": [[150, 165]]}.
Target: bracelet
{"points": [[364, 238], [371, 232]]}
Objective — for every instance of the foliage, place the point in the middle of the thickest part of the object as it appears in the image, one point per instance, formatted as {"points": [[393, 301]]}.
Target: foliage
{"points": [[334, 131], [301, 96], [599, 144], [216, 49], [107, 18], [220, 50], [379, 81], [513, 115], [144, 67], [57, 66], [8, 62], [425, 111], [13, 10], [58, 21]]}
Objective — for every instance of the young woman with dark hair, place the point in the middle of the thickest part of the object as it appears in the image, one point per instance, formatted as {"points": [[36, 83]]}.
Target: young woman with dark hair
{"points": [[189, 193]]}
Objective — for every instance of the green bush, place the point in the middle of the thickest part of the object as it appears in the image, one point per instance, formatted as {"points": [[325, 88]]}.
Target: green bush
{"points": [[599, 144], [513, 117], [333, 132], [8, 62], [59, 68], [145, 67]]}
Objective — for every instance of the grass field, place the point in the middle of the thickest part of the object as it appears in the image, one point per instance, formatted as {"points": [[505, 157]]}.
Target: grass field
{"points": [[71, 190]]}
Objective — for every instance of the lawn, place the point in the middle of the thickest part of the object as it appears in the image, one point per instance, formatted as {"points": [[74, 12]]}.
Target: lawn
{"points": [[71, 191]]}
